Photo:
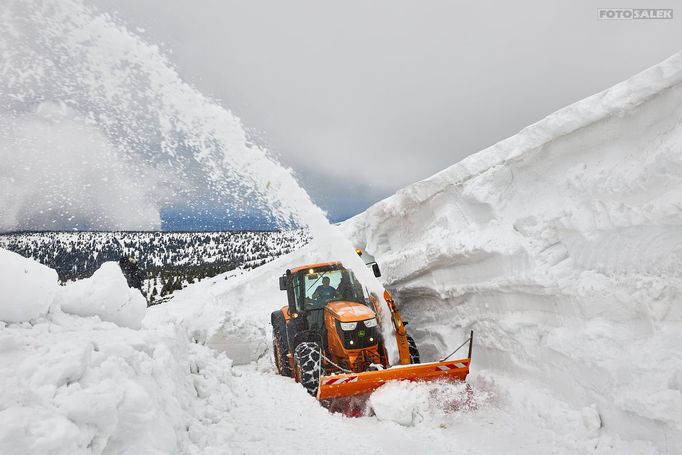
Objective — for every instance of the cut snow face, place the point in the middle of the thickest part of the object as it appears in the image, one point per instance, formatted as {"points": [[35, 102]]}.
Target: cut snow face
{"points": [[561, 247]]}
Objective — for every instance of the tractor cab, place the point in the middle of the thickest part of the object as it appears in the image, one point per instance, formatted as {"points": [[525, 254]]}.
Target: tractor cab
{"points": [[328, 306], [313, 288]]}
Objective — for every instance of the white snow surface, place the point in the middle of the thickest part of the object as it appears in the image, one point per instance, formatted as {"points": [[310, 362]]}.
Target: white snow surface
{"points": [[561, 247], [27, 288], [75, 385], [105, 294]]}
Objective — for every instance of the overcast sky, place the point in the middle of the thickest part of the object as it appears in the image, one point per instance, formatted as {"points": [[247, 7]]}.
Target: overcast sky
{"points": [[364, 97]]}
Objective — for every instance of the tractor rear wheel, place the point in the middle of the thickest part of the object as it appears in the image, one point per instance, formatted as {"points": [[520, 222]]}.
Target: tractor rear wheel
{"points": [[280, 345], [414, 352], [308, 365]]}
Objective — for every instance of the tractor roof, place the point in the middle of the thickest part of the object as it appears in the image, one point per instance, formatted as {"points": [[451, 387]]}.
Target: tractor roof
{"points": [[316, 266]]}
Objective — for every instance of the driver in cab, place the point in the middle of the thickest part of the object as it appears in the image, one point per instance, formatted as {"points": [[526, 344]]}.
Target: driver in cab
{"points": [[324, 292]]}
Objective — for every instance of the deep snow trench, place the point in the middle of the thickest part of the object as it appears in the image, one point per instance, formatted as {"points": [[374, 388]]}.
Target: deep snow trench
{"points": [[75, 383], [561, 247]]}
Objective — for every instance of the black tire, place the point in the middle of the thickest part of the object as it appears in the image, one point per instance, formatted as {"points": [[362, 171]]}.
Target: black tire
{"points": [[280, 344], [307, 363], [414, 352]]}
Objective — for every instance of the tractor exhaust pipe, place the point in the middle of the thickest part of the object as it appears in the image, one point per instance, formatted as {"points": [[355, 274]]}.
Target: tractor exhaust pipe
{"points": [[471, 344]]}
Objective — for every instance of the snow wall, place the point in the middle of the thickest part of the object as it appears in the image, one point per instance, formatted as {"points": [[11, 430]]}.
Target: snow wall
{"points": [[561, 247]]}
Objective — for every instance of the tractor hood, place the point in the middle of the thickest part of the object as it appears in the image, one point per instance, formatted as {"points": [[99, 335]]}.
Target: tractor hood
{"points": [[349, 311]]}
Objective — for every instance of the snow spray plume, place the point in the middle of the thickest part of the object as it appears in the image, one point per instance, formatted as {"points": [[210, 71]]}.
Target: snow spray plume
{"points": [[134, 105], [66, 54]]}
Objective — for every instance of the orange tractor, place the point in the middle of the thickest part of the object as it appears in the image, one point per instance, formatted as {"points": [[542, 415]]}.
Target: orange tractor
{"points": [[329, 337]]}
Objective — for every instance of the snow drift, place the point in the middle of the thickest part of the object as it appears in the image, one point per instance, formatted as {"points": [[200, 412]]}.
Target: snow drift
{"points": [[27, 288], [105, 294], [71, 383], [76, 385], [561, 247]]}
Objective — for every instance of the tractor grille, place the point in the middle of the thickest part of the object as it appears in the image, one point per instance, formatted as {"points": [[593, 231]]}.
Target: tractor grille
{"points": [[359, 338]]}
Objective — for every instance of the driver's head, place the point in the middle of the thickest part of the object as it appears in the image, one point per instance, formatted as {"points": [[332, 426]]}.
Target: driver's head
{"points": [[325, 281]]}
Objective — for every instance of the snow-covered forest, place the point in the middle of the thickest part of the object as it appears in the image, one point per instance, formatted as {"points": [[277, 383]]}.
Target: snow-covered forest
{"points": [[167, 260]]}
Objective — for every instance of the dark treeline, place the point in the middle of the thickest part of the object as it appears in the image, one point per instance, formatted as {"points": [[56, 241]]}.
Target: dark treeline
{"points": [[168, 260]]}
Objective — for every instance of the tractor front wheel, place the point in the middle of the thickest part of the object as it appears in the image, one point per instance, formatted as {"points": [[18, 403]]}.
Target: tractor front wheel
{"points": [[280, 347], [308, 365]]}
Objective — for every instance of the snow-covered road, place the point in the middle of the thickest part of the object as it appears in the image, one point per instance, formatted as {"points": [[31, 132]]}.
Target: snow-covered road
{"points": [[510, 417]]}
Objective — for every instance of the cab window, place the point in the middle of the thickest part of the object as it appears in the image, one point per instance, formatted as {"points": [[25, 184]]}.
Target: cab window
{"points": [[331, 285], [298, 293]]}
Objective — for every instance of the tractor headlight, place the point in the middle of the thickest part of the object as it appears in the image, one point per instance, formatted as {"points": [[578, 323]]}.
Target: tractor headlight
{"points": [[348, 326], [371, 323]]}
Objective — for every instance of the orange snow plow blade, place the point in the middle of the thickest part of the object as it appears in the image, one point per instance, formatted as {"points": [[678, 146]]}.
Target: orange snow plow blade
{"points": [[351, 384]]}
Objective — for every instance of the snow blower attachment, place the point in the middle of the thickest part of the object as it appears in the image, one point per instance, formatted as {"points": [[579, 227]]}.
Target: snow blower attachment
{"points": [[329, 338]]}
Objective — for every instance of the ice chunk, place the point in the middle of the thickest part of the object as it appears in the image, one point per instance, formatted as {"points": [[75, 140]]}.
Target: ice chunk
{"points": [[591, 418], [399, 402]]}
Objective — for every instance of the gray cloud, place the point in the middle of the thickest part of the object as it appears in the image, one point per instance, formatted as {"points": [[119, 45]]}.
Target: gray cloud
{"points": [[371, 96], [359, 98]]}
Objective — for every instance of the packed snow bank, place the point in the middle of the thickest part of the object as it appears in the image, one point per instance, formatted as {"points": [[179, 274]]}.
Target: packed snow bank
{"points": [[105, 294], [561, 247], [27, 288], [78, 385], [72, 384]]}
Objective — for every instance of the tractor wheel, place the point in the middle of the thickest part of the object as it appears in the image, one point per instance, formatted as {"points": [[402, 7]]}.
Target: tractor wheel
{"points": [[280, 346], [414, 352], [308, 363]]}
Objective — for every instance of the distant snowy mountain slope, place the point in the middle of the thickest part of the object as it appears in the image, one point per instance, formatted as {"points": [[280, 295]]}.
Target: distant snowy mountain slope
{"points": [[562, 248]]}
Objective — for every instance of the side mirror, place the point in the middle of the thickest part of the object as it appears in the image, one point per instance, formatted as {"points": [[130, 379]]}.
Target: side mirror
{"points": [[283, 283], [375, 269]]}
